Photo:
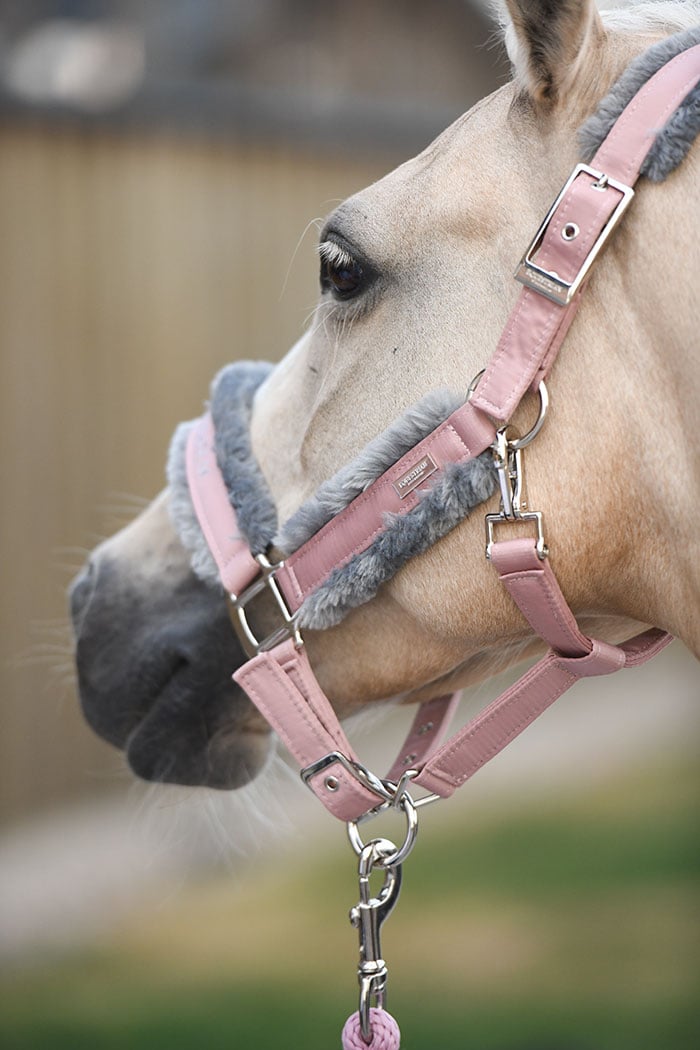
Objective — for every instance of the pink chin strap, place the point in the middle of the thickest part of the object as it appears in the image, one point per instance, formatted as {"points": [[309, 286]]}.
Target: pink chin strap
{"points": [[279, 679]]}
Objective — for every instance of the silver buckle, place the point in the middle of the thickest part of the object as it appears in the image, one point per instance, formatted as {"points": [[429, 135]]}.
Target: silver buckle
{"points": [[547, 282], [360, 773], [529, 515], [252, 646]]}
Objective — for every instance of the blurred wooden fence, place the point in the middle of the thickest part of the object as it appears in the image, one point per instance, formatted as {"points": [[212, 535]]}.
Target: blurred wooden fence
{"points": [[132, 267]]}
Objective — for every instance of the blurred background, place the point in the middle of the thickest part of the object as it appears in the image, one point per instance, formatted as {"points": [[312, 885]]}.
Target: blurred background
{"points": [[163, 166]]}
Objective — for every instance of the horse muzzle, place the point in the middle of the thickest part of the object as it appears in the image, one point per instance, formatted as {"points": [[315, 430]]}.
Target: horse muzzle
{"points": [[154, 654]]}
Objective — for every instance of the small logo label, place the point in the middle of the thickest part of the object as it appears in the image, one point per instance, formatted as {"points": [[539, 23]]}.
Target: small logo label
{"points": [[415, 476]]}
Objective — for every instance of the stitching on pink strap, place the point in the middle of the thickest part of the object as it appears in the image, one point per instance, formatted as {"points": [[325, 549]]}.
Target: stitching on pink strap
{"points": [[546, 701], [196, 440], [643, 646], [501, 704], [551, 324], [376, 488], [247, 681], [199, 458], [297, 673], [553, 598], [602, 659], [556, 315], [635, 161], [571, 207], [269, 667]]}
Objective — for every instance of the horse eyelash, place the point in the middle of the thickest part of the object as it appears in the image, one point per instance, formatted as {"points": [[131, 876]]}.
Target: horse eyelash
{"points": [[333, 255]]}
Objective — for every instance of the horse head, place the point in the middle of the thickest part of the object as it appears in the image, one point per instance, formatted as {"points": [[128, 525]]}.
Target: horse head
{"points": [[415, 288]]}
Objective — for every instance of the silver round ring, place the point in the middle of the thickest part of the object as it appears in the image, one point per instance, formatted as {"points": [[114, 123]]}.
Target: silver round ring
{"points": [[521, 442], [408, 807]]}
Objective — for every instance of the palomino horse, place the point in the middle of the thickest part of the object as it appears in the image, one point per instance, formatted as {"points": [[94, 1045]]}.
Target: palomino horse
{"points": [[415, 289]]}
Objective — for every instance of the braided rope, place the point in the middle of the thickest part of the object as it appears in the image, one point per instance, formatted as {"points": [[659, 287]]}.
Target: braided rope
{"points": [[385, 1032]]}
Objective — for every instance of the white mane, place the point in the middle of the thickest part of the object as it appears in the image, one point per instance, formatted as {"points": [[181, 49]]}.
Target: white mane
{"points": [[631, 17]]}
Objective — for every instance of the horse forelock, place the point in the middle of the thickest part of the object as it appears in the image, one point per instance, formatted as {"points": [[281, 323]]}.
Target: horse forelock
{"points": [[666, 16]]}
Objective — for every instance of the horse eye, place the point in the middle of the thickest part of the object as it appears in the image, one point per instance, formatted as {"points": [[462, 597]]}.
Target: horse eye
{"points": [[340, 273]]}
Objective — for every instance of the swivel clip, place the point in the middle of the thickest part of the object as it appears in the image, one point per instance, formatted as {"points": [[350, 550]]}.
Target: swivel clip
{"points": [[513, 510], [508, 460], [367, 917]]}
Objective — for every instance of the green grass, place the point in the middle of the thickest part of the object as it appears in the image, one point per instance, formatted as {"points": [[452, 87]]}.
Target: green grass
{"points": [[565, 926], [297, 1015]]}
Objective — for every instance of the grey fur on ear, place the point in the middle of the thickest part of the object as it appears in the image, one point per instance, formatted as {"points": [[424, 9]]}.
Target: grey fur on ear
{"points": [[676, 137]]}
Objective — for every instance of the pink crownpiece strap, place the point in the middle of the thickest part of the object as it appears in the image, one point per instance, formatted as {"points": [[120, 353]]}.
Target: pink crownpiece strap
{"points": [[556, 265]]}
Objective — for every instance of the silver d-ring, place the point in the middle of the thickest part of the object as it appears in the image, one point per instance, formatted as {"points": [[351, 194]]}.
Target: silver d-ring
{"points": [[408, 806], [522, 442]]}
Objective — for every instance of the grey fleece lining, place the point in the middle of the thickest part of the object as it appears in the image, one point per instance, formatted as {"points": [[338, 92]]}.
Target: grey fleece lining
{"points": [[382, 452], [455, 492], [231, 408], [444, 505], [676, 137], [458, 489], [232, 393]]}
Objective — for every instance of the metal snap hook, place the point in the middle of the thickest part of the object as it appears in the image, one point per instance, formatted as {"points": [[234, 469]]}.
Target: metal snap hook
{"points": [[367, 917]]}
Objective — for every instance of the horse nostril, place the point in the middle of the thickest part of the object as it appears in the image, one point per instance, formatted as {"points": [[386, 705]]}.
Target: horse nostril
{"points": [[81, 590]]}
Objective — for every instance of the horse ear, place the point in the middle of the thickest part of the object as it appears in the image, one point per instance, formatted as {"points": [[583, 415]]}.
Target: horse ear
{"points": [[547, 41]]}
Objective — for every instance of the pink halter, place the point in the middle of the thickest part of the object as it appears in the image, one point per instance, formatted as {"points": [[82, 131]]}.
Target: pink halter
{"points": [[279, 679]]}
